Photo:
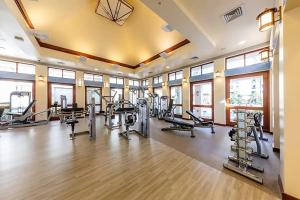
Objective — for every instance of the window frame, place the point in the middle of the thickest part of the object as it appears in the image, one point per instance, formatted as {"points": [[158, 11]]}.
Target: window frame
{"points": [[180, 105], [116, 79], [93, 77], [201, 66], [266, 98], [175, 75], [61, 73], [145, 82], [133, 82], [158, 78], [244, 56], [192, 105], [17, 67]]}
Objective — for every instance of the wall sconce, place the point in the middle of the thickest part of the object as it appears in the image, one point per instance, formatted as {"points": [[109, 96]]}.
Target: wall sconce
{"points": [[106, 84], [184, 80], [218, 74], [41, 78], [79, 82], [268, 18], [265, 54], [126, 86], [163, 84]]}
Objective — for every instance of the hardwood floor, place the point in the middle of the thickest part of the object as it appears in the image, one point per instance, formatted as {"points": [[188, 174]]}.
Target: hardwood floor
{"points": [[42, 163]]}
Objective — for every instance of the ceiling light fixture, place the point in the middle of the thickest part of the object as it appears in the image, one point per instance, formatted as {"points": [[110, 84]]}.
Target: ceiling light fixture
{"points": [[117, 11], [268, 18], [242, 42]]}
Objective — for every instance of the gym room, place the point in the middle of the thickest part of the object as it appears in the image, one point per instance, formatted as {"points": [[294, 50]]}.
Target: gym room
{"points": [[149, 99]]}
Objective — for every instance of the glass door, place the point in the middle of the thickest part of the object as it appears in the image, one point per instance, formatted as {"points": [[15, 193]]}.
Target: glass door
{"points": [[96, 93], [119, 93], [202, 99], [250, 92], [176, 95]]}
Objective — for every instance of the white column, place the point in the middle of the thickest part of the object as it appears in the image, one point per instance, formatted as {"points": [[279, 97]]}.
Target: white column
{"points": [[41, 91]]}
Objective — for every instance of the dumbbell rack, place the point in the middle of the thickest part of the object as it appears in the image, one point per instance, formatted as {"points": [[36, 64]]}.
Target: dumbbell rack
{"points": [[242, 149]]}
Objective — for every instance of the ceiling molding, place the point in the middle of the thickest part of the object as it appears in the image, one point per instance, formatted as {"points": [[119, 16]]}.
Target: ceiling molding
{"points": [[77, 53], [172, 48]]}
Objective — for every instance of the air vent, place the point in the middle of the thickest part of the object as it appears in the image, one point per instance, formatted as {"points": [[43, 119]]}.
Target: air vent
{"points": [[233, 14], [82, 59], [19, 38], [167, 28], [194, 58]]}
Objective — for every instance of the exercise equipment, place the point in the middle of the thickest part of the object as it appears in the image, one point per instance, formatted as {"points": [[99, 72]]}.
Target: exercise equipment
{"points": [[199, 122], [110, 113], [252, 135], [179, 125], [242, 149], [21, 116], [133, 114], [154, 104], [92, 122], [258, 124], [163, 106]]}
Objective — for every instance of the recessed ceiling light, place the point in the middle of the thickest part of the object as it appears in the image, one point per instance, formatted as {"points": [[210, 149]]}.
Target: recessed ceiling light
{"points": [[242, 42], [96, 69], [168, 67]]}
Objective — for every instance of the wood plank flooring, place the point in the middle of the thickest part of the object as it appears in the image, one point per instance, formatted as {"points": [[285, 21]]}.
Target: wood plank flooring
{"points": [[42, 163]]}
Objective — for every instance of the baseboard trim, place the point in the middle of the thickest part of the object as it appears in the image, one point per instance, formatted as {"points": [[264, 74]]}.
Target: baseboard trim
{"points": [[219, 124], [284, 196], [276, 149]]}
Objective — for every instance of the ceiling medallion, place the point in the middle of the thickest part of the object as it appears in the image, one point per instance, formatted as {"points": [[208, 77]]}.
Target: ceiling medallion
{"points": [[115, 10]]}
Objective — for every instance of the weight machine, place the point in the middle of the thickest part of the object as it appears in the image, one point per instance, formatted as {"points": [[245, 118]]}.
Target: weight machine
{"points": [[110, 113], [133, 114], [92, 122], [154, 104]]}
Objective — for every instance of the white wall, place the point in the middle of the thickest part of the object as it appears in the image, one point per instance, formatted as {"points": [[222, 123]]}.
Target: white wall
{"points": [[289, 71], [41, 91], [219, 93]]}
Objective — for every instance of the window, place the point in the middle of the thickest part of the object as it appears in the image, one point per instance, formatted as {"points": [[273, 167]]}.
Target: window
{"points": [[118, 92], [93, 77], [115, 80], [243, 60], [157, 91], [7, 66], [248, 92], [145, 82], [157, 79], [93, 92], [61, 73], [133, 96], [7, 87], [176, 95], [175, 76], [57, 90], [26, 68], [134, 83], [202, 95], [202, 69]]}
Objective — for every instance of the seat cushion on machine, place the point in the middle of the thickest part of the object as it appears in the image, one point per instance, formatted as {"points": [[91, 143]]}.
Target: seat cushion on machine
{"points": [[128, 109], [179, 122]]}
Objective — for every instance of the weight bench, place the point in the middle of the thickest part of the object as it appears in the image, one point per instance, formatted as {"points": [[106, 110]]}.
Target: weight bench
{"points": [[199, 122], [179, 125]]}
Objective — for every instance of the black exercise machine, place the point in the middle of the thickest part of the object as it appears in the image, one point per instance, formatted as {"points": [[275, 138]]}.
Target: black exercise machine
{"points": [[179, 125], [199, 122]]}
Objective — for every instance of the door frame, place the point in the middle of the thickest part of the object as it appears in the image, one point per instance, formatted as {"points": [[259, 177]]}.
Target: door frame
{"points": [[266, 98], [181, 105], [204, 106], [100, 98]]}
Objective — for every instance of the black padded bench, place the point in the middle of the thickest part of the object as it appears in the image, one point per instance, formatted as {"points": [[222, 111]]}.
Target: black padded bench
{"points": [[179, 125], [199, 122]]}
